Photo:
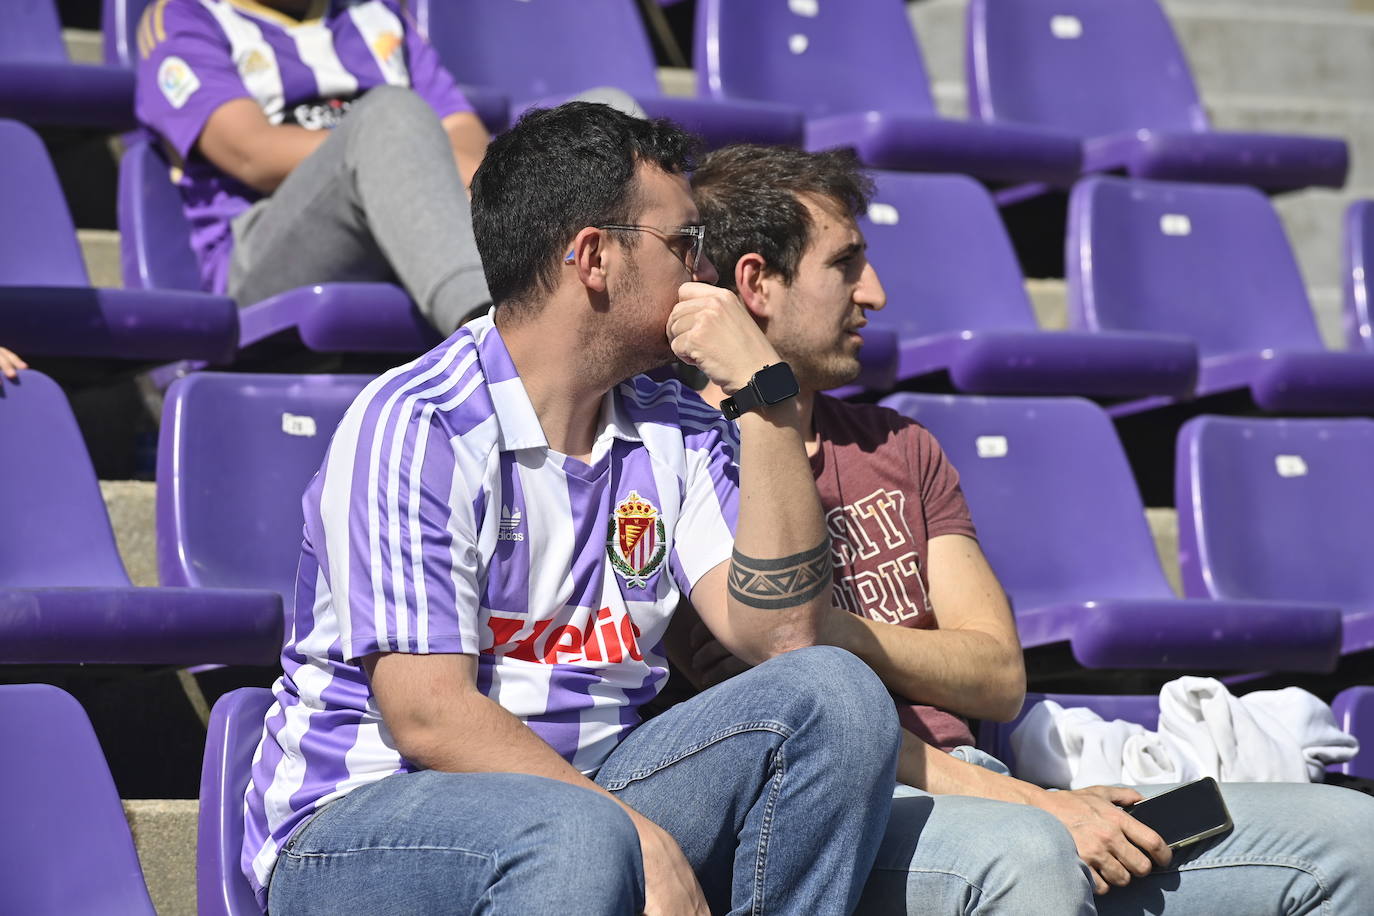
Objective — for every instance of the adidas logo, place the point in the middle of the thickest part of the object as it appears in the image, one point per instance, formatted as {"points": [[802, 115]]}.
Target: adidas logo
{"points": [[511, 520]]}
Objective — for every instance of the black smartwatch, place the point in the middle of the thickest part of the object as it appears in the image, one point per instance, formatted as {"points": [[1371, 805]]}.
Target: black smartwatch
{"points": [[772, 384]]}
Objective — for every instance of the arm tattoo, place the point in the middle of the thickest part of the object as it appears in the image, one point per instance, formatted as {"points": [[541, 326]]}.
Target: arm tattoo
{"points": [[787, 582]]}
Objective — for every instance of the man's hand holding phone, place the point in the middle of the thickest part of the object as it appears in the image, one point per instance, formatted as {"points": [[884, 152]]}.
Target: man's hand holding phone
{"points": [[1115, 846]]}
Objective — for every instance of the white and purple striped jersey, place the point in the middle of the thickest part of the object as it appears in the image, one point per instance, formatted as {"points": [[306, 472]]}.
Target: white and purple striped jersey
{"points": [[195, 55], [441, 521]]}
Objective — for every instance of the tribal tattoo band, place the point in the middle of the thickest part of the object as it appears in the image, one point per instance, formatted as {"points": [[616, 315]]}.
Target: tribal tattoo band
{"points": [[787, 582]]}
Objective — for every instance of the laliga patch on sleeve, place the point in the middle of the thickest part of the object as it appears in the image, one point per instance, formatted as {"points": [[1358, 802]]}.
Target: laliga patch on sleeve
{"points": [[177, 81]]}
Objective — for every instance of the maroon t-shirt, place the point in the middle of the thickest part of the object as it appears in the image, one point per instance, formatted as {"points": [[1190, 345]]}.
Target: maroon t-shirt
{"points": [[887, 489]]}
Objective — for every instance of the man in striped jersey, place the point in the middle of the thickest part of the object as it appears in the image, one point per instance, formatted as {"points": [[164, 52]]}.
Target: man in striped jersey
{"points": [[315, 140], [493, 549]]}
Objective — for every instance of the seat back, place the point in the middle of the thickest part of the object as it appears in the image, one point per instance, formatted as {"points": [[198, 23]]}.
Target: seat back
{"points": [[38, 244], [943, 257], [1277, 509], [49, 496], [1208, 261], [531, 49], [154, 235], [1057, 511], [995, 737], [66, 846], [1354, 712], [1091, 67], [1358, 272], [32, 33], [119, 21], [233, 734], [234, 458], [823, 57]]}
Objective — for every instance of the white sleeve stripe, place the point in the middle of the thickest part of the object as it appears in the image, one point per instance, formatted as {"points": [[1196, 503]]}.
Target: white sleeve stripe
{"points": [[374, 459]]}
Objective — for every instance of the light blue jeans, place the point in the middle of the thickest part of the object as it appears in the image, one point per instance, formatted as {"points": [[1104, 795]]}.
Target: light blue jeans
{"points": [[776, 784], [1296, 848]]}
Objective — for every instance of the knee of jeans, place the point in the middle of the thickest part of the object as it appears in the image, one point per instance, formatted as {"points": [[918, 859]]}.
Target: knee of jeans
{"points": [[1338, 820], [844, 690], [588, 822], [1031, 845]]}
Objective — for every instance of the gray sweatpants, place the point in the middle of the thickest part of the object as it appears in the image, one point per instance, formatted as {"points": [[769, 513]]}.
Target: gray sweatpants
{"points": [[379, 200]]}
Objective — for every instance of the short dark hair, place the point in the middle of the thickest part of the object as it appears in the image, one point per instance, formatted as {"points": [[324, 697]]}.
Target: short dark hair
{"points": [[749, 198], [556, 171]]}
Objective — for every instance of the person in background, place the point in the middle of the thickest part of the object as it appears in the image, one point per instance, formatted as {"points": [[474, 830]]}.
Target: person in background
{"points": [[315, 141]]}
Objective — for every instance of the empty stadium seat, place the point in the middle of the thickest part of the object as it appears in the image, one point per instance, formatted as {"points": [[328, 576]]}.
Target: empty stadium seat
{"points": [[1211, 262], [66, 846], [1280, 510], [120, 21], [232, 737], [39, 85], [47, 305], [1358, 275], [541, 52], [1062, 525], [155, 253], [65, 597], [857, 72], [957, 300], [1112, 73], [234, 458]]}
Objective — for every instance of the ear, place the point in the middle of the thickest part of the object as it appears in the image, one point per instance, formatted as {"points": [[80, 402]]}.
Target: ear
{"points": [[587, 254], [754, 286]]}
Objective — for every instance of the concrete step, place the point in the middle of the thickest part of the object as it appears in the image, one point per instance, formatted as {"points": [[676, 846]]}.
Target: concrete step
{"points": [[132, 505], [100, 251], [83, 46], [165, 836], [1256, 50]]}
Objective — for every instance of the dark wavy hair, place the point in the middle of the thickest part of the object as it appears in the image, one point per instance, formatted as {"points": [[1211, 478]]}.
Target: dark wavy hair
{"points": [[750, 198]]}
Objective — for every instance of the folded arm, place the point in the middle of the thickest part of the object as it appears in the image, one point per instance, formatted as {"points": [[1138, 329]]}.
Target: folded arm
{"points": [[971, 663]]}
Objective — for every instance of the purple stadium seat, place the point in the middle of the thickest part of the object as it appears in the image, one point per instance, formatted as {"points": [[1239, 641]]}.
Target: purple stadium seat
{"points": [[1112, 73], [1358, 271], [857, 72], [957, 300], [120, 18], [155, 254], [47, 305], [1354, 709], [234, 732], [234, 458], [995, 737], [65, 597], [540, 52], [1280, 510], [40, 86], [1211, 262], [66, 846], [1062, 525]]}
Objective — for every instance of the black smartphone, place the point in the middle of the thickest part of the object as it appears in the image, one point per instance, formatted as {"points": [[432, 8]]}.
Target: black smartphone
{"points": [[1188, 814]]}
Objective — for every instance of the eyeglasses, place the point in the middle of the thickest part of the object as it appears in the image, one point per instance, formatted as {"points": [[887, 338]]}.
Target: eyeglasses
{"points": [[686, 242]]}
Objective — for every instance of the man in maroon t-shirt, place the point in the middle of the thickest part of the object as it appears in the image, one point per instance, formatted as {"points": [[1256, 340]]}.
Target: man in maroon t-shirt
{"points": [[917, 601]]}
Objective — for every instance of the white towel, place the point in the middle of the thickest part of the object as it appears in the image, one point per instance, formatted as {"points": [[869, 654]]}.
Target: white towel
{"points": [[1268, 736]]}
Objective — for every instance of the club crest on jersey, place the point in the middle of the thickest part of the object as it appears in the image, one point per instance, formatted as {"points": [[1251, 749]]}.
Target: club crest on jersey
{"points": [[636, 540]]}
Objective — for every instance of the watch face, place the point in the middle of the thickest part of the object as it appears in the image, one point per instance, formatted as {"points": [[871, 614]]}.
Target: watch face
{"points": [[775, 383]]}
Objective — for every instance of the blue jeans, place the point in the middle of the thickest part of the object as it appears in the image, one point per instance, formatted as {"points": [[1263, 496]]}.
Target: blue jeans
{"points": [[1296, 848], [776, 784]]}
